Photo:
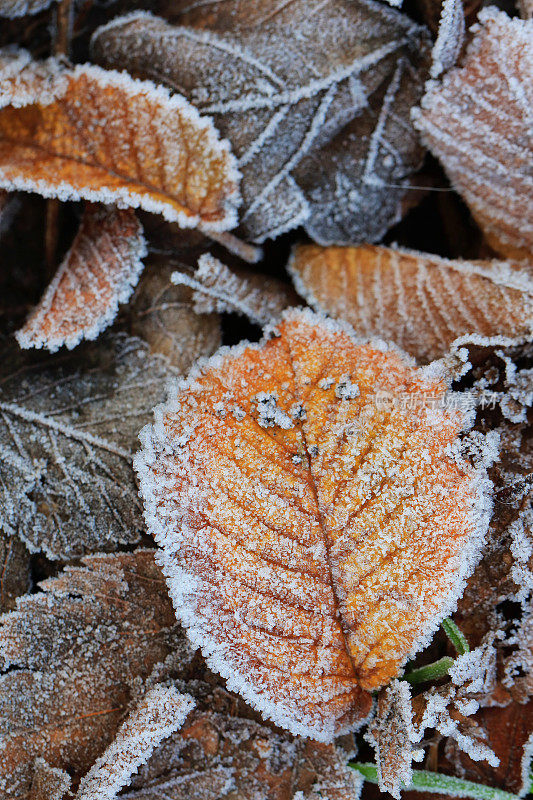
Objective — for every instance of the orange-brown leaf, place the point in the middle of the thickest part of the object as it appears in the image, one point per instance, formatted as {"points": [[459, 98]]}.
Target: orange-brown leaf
{"points": [[105, 136], [477, 122], [421, 302], [99, 272], [313, 534]]}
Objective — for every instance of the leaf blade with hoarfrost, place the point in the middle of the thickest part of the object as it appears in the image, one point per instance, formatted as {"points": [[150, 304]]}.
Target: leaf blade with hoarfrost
{"points": [[68, 427], [80, 649], [477, 122], [105, 136], [421, 302], [293, 87], [161, 711], [217, 288], [259, 477], [99, 272]]}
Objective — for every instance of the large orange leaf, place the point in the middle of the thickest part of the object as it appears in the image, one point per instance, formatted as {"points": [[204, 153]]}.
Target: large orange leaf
{"points": [[105, 136], [99, 272], [420, 301], [477, 122], [315, 516]]}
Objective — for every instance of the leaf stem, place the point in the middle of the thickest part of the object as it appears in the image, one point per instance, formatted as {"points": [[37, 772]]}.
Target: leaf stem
{"points": [[442, 784], [455, 635], [431, 672]]}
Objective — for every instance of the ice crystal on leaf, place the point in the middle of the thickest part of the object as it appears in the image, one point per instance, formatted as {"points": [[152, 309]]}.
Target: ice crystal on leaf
{"points": [[48, 783], [99, 272], [420, 301], [24, 81], [401, 721], [447, 48], [217, 288], [393, 735], [292, 87], [302, 558], [160, 712], [477, 121], [507, 731], [68, 426], [101, 135], [80, 649]]}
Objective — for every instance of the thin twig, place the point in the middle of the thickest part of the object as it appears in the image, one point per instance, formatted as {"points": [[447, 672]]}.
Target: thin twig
{"points": [[248, 252]]}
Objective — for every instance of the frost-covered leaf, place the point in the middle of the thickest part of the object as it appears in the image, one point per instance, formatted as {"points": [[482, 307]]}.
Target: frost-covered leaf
{"points": [[105, 136], [262, 477], [393, 737], [68, 426], [224, 751], [505, 572], [450, 38], [48, 783], [164, 316], [507, 731], [98, 272], [217, 288], [477, 121], [23, 81], [324, 773], [161, 711], [421, 302], [14, 570], [80, 650], [314, 96], [19, 8]]}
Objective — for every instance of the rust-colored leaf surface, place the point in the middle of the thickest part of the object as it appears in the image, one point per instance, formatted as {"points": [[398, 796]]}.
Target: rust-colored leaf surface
{"points": [[105, 136], [99, 272], [477, 122], [421, 302], [315, 517], [79, 650], [506, 730]]}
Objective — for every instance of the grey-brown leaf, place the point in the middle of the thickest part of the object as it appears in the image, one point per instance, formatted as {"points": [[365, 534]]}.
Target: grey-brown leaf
{"points": [[164, 316], [81, 650], [217, 288], [293, 86], [68, 427]]}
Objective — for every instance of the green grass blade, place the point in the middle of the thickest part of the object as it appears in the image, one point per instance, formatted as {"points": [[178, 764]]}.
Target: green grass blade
{"points": [[443, 784], [456, 636]]}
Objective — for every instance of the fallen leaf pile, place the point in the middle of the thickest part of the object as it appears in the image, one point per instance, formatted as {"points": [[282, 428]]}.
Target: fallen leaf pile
{"points": [[266, 389]]}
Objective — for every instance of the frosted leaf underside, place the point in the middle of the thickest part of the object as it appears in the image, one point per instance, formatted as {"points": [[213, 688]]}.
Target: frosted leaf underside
{"points": [[68, 427], [478, 123], [421, 302], [294, 86], [311, 533], [105, 136], [99, 272]]}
